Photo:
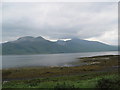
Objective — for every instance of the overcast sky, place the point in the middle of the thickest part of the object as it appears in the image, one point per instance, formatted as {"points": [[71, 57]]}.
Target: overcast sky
{"points": [[91, 21]]}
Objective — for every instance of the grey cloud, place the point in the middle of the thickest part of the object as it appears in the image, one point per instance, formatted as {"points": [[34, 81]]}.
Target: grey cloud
{"points": [[59, 20]]}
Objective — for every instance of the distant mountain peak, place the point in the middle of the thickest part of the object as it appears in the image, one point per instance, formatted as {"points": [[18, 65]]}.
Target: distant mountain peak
{"points": [[38, 45], [30, 38], [39, 37], [25, 38]]}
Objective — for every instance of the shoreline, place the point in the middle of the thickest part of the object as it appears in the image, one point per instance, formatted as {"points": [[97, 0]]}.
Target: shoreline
{"points": [[105, 65], [69, 64], [86, 76]]}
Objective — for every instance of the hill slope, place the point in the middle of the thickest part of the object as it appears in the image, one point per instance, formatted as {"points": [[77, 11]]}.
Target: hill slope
{"points": [[38, 45]]}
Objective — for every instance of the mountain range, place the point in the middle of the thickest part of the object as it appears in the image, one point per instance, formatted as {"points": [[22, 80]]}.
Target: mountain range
{"points": [[39, 45]]}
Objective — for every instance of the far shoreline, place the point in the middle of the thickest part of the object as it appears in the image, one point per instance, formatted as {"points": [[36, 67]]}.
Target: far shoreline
{"points": [[55, 53]]}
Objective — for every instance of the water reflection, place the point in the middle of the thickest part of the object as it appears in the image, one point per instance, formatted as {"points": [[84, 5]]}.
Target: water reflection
{"points": [[9, 61]]}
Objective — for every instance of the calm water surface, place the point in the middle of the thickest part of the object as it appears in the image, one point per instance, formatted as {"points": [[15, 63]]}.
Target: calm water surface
{"points": [[11, 61]]}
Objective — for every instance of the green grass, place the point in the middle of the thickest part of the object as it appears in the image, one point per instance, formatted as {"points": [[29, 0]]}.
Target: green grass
{"points": [[86, 76], [75, 81]]}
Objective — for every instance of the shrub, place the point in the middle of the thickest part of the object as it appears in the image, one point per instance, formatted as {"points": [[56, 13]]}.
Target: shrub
{"points": [[108, 83]]}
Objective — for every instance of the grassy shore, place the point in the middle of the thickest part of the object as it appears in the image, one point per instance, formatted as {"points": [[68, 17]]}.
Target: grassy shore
{"points": [[86, 76]]}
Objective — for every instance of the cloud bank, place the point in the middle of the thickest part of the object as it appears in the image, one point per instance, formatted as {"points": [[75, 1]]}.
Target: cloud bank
{"points": [[91, 21]]}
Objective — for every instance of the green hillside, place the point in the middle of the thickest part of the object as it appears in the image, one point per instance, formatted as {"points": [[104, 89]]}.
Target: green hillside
{"points": [[39, 45]]}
